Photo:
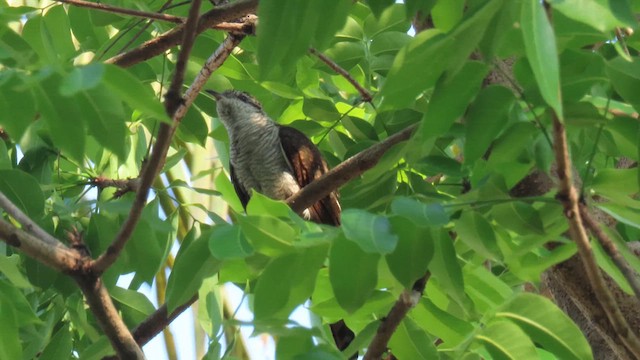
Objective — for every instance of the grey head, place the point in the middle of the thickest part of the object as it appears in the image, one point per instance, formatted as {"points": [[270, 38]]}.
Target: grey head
{"points": [[236, 106]]}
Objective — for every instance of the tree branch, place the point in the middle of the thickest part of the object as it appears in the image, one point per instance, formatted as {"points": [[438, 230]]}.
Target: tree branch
{"points": [[366, 96], [56, 256], [173, 37], [27, 224], [407, 301], [568, 195], [110, 321], [173, 97], [611, 250], [124, 11], [347, 170], [153, 166]]}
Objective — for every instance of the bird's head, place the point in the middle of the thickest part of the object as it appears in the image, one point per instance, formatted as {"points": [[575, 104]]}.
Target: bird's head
{"points": [[236, 106]]}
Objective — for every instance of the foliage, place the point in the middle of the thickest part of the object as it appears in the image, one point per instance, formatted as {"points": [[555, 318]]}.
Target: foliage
{"points": [[439, 203]]}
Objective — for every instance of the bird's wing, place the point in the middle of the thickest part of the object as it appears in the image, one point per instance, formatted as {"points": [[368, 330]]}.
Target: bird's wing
{"points": [[308, 165], [243, 194]]}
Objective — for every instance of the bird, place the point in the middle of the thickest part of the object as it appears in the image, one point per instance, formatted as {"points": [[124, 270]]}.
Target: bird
{"points": [[277, 161], [273, 159]]}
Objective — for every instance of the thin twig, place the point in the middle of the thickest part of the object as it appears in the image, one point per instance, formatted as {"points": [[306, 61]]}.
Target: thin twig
{"points": [[110, 321], [347, 170], [407, 301], [173, 37], [364, 94], [153, 325], [124, 11], [153, 166], [173, 97], [27, 224], [612, 250], [123, 185], [568, 195]]}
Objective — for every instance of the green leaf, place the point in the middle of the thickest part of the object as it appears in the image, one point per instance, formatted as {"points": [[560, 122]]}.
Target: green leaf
{"points": [[145, 243], [505, 340], [10, 267], [446, 14], [24, 191], [430, 214], [393, 18], [445, 268], [63, 118], [602, 15], [442, 324], [193, 127], [104, 115], [60, 346], [17, 100], [519, 217], [486, 290], [410, 259], [440, 51], [486, 117], [260, 205], [450, 98], [131, 90], [56, 33], [314, 22], [82, 78], [136, 306], [377, 6], [12, 299], [320, 110], [89, 36], [540, 47], [371, 232], [629, 215], [353, 273], [625, 78], [409, 341], [268, 235], [346, 54], [547, 325], [616, 182], [192, 266], [10, 344], [388, 42], [475, 231], [228, 242], [287, 282]]}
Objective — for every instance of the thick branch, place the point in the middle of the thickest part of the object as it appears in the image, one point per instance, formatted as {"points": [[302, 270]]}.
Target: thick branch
{"points": [[569, 197], [407, 301], [56, 256], [110, 321], [124, 11], [159, 153], [173, 37], [611, 250], [366, 96], [347, 170]]}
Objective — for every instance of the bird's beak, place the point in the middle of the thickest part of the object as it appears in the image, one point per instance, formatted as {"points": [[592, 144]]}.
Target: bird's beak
{"points": [[215, 94]]}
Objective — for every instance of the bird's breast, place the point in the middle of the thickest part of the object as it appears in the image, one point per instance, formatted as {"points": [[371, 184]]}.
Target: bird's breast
{"points": [[260, 164]]}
